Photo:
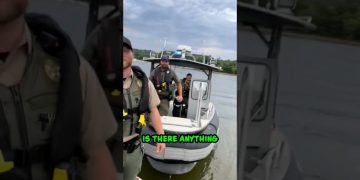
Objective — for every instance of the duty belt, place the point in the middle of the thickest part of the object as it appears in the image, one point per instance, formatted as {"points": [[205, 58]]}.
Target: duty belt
{"points": [[131, 145]]}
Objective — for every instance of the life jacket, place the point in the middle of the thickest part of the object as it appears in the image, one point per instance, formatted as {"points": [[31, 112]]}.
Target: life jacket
{"points": [[136, 103], [40, 118], [186, 88], [162, 81]]}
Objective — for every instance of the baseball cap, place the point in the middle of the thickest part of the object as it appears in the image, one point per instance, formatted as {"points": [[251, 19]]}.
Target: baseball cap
{"points": [[127, 43], [165, 58]]}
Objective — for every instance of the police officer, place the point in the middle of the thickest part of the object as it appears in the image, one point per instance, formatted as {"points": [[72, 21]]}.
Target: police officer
{"points": [[162, 77], [54, 117], [140, 105], [186, 91]]}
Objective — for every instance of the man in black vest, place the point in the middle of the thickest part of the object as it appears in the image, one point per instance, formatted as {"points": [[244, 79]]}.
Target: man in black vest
{"points": [[186, 91], [163, 77]]}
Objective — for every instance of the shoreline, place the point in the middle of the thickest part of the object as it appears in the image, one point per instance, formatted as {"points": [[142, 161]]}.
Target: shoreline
{"points": [[217, 72]]}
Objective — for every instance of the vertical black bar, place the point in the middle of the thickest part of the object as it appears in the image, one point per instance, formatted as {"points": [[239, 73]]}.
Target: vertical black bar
{"points": [[275, 41], [273, 53], [93, 16], [121, 10]]}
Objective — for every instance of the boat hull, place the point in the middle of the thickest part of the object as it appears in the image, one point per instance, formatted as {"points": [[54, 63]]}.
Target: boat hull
{"points": [[180, 158]]}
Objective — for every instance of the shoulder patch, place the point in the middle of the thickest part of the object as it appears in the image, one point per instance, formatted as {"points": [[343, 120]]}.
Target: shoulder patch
{"points": [[52, 69]]}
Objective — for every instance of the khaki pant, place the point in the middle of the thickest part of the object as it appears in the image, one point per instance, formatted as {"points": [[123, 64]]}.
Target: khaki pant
{"points": [[164, 107], [132, 163]]}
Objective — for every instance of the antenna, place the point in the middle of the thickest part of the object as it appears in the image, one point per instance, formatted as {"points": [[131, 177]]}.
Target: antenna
{"points": [[162, 52]]}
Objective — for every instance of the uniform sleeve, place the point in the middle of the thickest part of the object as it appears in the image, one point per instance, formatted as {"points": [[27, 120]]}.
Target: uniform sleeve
{"points": [[98, 123], [154, 100], [151, 77], [91, 47]]}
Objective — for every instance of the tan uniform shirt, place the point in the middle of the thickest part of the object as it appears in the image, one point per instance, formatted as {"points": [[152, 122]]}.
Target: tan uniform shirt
{"points": [[172, 73], [98, 123], [154, 100]]}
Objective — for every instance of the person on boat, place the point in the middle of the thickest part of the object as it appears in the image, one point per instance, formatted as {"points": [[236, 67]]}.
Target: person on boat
{"points": [[162, 77], [186, 91], [54, 117], [140, 106]]}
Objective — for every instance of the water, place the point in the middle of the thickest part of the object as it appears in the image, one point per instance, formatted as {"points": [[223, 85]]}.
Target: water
{"points": [[221, 163], [318, 104]]}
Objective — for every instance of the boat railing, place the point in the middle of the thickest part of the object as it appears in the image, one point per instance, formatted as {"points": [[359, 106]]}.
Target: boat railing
{"points": [[199, 105], [209, 110]]}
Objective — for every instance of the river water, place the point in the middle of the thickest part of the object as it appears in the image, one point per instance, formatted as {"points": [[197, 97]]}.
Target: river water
{"points": [[318, 104]]}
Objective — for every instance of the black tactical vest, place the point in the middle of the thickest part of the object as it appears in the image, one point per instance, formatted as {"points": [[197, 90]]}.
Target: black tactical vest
{"points": [[162, 81], [136, 103]]}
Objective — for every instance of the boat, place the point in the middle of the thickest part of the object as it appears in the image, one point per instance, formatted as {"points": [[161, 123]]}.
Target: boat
{"points": [[201, 119], [184, 52], [263, 151]]}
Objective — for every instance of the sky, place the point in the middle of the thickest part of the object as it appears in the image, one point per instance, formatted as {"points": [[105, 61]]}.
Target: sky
{"points": [[208, 26]]}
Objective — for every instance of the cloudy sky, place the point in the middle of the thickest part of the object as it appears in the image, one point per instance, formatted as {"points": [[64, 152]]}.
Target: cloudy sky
{"points": [[208, 26]]}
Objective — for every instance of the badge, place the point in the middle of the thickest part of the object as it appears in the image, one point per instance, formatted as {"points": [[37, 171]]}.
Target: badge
{"points": [[167, 72], [52, 70]]}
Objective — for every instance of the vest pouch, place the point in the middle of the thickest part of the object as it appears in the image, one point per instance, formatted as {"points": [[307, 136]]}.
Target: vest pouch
{"points": [[139, 127], [15, 174], [127, 121]]}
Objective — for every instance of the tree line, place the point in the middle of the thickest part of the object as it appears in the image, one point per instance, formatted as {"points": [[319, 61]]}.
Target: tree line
{"points": [[334, 18], [227, 66]]}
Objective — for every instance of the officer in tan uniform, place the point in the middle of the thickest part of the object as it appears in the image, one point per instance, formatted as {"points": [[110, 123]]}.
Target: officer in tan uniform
{"points": [[162, 77], [186, 92], [145, 102], [53, 111]]}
